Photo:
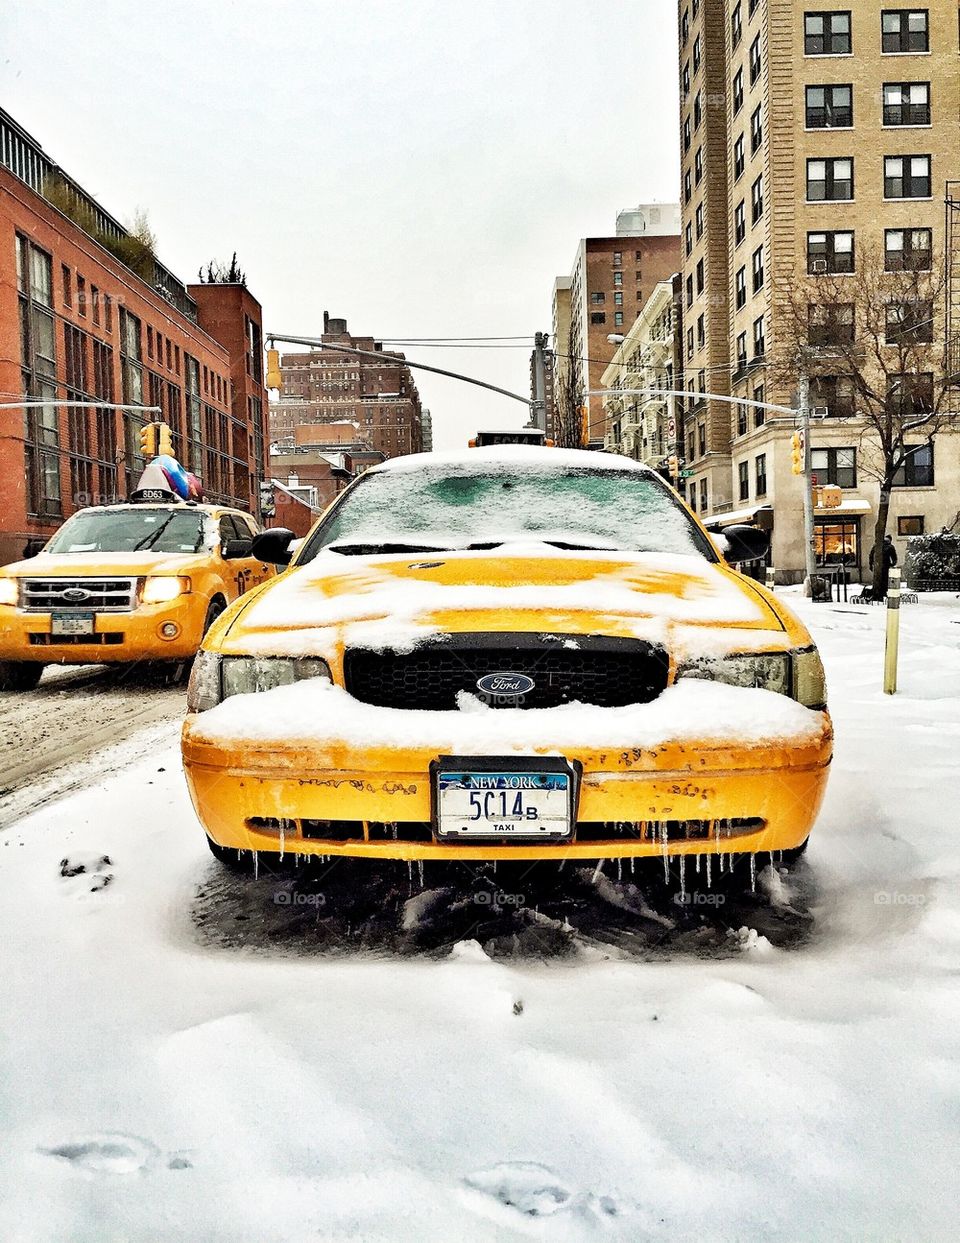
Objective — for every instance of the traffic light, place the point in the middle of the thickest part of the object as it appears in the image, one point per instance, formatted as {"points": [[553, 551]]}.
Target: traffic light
{"points": [[274, 377], [673, 465], [148, 440], [584, 425], [164, 439], [796, 453]]}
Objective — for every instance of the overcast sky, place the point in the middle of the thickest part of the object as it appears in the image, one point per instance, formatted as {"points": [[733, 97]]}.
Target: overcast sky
{"points": [[421, 167]]}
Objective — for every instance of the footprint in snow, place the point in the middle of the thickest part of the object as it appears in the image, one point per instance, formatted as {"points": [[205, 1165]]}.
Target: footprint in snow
{"points": [[537, 1191], [93, 868], [112, 1152]]}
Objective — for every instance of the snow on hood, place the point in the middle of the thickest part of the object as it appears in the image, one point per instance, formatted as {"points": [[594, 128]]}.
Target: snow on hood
{"points": [[396, 601], [317, 714], [534, 456]]}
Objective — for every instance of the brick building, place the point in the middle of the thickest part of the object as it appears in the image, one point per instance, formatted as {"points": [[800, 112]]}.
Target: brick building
{"points": [[608, 285], [818, 146], [323, 386], [78, 324]]}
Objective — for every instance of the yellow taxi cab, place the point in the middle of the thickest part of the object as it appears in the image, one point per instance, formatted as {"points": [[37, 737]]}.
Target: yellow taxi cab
{"points": [[123, 583], [508, 653]]}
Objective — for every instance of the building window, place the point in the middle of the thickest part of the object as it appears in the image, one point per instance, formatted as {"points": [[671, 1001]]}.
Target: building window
{"points": [[618, 278], [689, 344], [829, 252], [704, 496], [827, 34], [684, 27], [688, 238], [107, 313], [758, 269], [829, 180], [739, 158], [741, 422], [697, 53], [697, 110], [756, 200], [67, 280], [618, 319], [905, 30], [618, 298], [741, 352], [830, 323], [829, 107], [702, 439], [756, 130], [597, 299], [755, 60], [686, 79], [759, 338], [909, 322], [698, 166], [740, 288], [254, 351], [917, 469], [598, 317], [834, 466], [911, 394], [907, 526], [95, 304], [617, 258], [736, 25], [698, 218], [759, 414], [131, 367], [908, 250], [906, 103], [737, 91], [743, 476], [740, 222], [701, 331], [687, 135], [81, 295], [761, 474], [689, 291], [906, 177], [38, 377], [832, 395], [701, 277], [194, 428]]}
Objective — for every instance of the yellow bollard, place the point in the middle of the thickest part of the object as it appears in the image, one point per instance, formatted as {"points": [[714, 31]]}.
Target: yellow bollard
{"points": [[893, 634], [771, 578]]}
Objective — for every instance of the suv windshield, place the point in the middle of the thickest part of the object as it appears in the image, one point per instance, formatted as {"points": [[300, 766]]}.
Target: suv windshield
{"points": [[130, 530], [444, 506]]}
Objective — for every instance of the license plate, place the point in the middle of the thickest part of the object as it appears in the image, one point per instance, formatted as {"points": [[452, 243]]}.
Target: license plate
{"points": [[509, 801], [71, 623]]}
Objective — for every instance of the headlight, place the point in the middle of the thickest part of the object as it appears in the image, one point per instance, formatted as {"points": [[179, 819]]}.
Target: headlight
{"points": [[8, 591], [770, 671], [215, 678], [161, 590], [798, 674]]}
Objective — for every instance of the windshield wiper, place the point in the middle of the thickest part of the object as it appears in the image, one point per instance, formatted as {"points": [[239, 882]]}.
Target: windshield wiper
{"points": [[369, 550], [149, 540]]}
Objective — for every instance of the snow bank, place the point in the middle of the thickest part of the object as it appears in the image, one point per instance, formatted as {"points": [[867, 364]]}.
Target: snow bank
{"points": [[319, 714]]}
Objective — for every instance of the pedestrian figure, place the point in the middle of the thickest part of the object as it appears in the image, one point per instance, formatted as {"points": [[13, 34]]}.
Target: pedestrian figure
{"points": [[889, 555]]}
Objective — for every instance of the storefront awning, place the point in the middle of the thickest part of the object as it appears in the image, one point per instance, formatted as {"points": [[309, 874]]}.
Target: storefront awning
{"points": [[756, 515], [852, 505]]}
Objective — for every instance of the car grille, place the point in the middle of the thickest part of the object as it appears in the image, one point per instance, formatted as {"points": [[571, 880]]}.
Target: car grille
{"points": [[605, 672], [84, 595]]}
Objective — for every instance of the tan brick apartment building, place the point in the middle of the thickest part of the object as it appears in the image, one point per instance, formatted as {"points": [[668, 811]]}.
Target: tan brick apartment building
{"points": [[323, 386], [608, 284], [813, 136], [77, 324]]}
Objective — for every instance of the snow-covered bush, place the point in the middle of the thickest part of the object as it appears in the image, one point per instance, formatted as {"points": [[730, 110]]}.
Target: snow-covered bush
{"points": [[933, 562]]}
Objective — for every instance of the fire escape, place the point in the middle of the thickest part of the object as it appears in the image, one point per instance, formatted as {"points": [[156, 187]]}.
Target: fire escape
{"points": [[952, 350]]}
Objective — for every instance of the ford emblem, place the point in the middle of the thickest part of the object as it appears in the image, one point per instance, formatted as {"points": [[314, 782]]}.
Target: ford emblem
{"points": [[76, 594], [512, 685]]}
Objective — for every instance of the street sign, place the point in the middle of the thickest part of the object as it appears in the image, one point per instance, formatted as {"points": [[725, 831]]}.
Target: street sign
{"points": [[672, 428], [685, 474]]}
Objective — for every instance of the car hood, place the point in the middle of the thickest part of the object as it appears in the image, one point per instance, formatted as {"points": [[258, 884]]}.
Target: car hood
{"points": [[397, 601], [104, 564]]}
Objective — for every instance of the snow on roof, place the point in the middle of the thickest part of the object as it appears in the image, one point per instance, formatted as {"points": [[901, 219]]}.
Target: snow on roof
{"points": [[515, 456]]}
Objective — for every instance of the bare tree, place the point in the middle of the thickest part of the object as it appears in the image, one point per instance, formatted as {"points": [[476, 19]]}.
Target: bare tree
{"points": [[871, 342]]}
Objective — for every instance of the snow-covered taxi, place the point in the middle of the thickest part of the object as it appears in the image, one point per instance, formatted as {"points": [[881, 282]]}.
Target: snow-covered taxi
{"points": [[123, 583], [508, 653]]}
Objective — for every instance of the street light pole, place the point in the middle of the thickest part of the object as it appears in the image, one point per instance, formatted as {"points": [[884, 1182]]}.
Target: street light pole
{"points": [[809, 557], [319, 344]]}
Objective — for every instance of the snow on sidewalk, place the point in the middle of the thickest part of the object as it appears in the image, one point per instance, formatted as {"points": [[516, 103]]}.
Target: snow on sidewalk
{"points": [[154, 1086]]}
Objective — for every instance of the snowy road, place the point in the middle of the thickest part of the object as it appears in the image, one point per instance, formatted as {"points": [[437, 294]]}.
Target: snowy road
{"points": [[184, 1056]]}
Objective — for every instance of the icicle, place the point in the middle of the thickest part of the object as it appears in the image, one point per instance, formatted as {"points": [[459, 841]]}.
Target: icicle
{"points": [[256, 865], [633, 860], [282, 837], [596, 871], [709, 877], [410, 871], [420, 869], [753, 873], [619, 868], [663, 850], [683, 869], [698, 863]]}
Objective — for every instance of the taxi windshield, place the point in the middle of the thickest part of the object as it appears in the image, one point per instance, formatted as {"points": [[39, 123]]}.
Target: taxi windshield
{"points": [[130, 530], [444, 506]]}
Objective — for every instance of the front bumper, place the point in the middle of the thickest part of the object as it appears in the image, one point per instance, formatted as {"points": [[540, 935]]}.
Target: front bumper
{"points": [[118, 638], [678, 799]]}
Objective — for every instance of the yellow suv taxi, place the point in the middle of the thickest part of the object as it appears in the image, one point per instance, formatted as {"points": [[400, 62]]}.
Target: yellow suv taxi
{"points": [[508, 653], [123, 583]]}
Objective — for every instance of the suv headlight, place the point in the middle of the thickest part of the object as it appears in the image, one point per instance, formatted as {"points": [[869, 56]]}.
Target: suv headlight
{"points": [[798, 674], [9, 593], [161, 590], [215, 678]]}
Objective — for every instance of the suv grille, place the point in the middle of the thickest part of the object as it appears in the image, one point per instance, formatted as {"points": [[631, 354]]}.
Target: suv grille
{"points": [[61, 595], [605, 672]]}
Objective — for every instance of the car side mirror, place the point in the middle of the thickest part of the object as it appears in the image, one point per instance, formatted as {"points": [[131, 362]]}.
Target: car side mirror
{"points": [[273, 546], [236, 549], [744, 543]]}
